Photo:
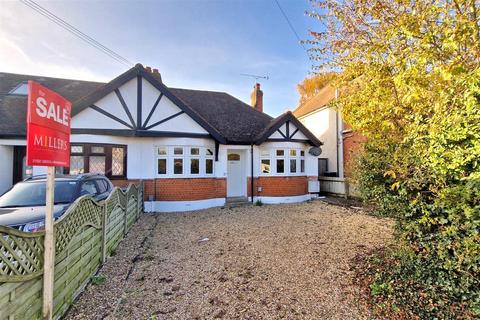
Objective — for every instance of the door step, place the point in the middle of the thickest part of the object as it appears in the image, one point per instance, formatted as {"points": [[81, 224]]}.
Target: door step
{"points": [[233, 202]]}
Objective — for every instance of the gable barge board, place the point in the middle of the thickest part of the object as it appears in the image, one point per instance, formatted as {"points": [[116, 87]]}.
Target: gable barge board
{"points": [[286, 118]]}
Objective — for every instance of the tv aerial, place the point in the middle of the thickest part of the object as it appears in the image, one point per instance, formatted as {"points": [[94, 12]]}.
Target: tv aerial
{"points": [[254, 76]]}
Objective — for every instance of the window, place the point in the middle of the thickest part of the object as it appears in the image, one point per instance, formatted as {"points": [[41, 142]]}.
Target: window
{"points": [[208, 166], [265, 166], [194, 166], [88, 188], [97, 149], [102, 186], [280, 166], [20, 89], [77, 165], [208, 161], [162, 151], [109, 160], [76, 149], [265, 161], [97, 164], [177, 166], [162, 166], [184, 161], [194, 160], [302, 161], [293, 165], [233, 157], [282, 161], [117, 161]]}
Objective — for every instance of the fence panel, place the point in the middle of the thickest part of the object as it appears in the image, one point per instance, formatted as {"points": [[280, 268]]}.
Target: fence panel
{"points": [[87, 233]]}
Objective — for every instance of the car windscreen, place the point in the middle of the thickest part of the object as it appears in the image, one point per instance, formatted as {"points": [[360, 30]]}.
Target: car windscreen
{"points": [[26, 194]]}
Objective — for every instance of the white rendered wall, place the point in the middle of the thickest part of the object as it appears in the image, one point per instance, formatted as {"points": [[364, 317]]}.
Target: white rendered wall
{"points": [[322, 124], [141, 157], [6, 167]]}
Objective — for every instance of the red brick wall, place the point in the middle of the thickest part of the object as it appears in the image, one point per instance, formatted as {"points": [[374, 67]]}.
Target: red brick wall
{"points": [[176, 189], [208, 188], [352, 145], [279, 186]]}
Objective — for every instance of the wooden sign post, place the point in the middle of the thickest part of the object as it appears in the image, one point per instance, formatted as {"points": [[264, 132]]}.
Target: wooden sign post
{"points": [[48, 144], [49, 246]]}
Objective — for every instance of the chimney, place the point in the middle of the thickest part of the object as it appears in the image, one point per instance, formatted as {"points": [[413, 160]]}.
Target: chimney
{"points": [[256, 98], [149, 70], [156, 75]]}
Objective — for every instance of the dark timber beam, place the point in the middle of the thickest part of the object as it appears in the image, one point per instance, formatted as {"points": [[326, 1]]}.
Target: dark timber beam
{"points": [[125, 107], [111, 116]]}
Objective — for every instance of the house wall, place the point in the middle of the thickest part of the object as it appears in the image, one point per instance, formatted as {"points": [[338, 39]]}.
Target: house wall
{"points": [[182, 194], [188, 193], [6, 167], [327, 127]]}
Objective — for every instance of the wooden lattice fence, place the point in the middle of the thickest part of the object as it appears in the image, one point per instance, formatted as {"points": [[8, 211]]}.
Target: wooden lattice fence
{"points": [[84, 236]]}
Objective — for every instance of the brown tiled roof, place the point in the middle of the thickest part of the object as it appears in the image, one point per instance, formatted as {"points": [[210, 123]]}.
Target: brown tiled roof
{"points": [[225, 117], [320, 100]]}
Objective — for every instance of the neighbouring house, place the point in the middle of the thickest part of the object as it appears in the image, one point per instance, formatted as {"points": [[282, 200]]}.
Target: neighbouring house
{"points": [[341, 143], [193, 149]]}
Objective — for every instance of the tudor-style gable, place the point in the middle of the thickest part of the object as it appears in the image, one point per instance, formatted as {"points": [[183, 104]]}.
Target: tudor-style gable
{"points": [[287, 128], [137, 104]]}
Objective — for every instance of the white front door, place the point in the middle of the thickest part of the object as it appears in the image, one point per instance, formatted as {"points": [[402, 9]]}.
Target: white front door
{"points": [[236, 179]]}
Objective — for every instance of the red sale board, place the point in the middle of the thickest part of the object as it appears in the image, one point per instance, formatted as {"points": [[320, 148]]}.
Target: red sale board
{"points": [[48, 127]]}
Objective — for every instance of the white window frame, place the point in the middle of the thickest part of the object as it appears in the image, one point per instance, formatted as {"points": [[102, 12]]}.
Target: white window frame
{"points": [[266, 157], [286, 164], [186, 157], [203, 161]]}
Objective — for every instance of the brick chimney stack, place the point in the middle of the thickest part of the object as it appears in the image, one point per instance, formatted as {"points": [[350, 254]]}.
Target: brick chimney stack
{"points": [[256, 98], [154, 73]]}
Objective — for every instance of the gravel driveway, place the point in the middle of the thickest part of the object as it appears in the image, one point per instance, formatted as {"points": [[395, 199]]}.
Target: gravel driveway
{"points": [[270, 262]]}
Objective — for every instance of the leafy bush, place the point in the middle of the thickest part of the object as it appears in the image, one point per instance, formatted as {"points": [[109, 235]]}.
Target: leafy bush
{"points": [[409, 78]]}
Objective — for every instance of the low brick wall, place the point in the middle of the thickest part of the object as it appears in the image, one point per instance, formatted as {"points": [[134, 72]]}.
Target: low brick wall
{"points": [[178, 189], [191, 189], [279, 186]]}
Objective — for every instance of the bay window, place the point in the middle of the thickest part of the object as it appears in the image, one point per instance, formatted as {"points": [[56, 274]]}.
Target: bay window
{"points": [[184, 161], [285, 161]]}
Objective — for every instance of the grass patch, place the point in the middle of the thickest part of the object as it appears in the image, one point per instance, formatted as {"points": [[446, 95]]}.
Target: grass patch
{"points": [[98, 280]]}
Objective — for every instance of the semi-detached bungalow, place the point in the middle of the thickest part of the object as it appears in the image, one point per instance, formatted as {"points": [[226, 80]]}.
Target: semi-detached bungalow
{"points": [[193, 149]]}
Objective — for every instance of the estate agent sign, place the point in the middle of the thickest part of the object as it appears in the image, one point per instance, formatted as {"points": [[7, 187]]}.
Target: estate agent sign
{"points": [[48, 144], [48, 127]]}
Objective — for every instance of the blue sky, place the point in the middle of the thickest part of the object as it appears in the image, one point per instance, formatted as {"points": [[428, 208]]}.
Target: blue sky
{"points": [[195, 44]]}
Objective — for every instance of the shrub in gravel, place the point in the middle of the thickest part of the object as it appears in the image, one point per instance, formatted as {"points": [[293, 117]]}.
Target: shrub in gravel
{"points": [[98, 280]]}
